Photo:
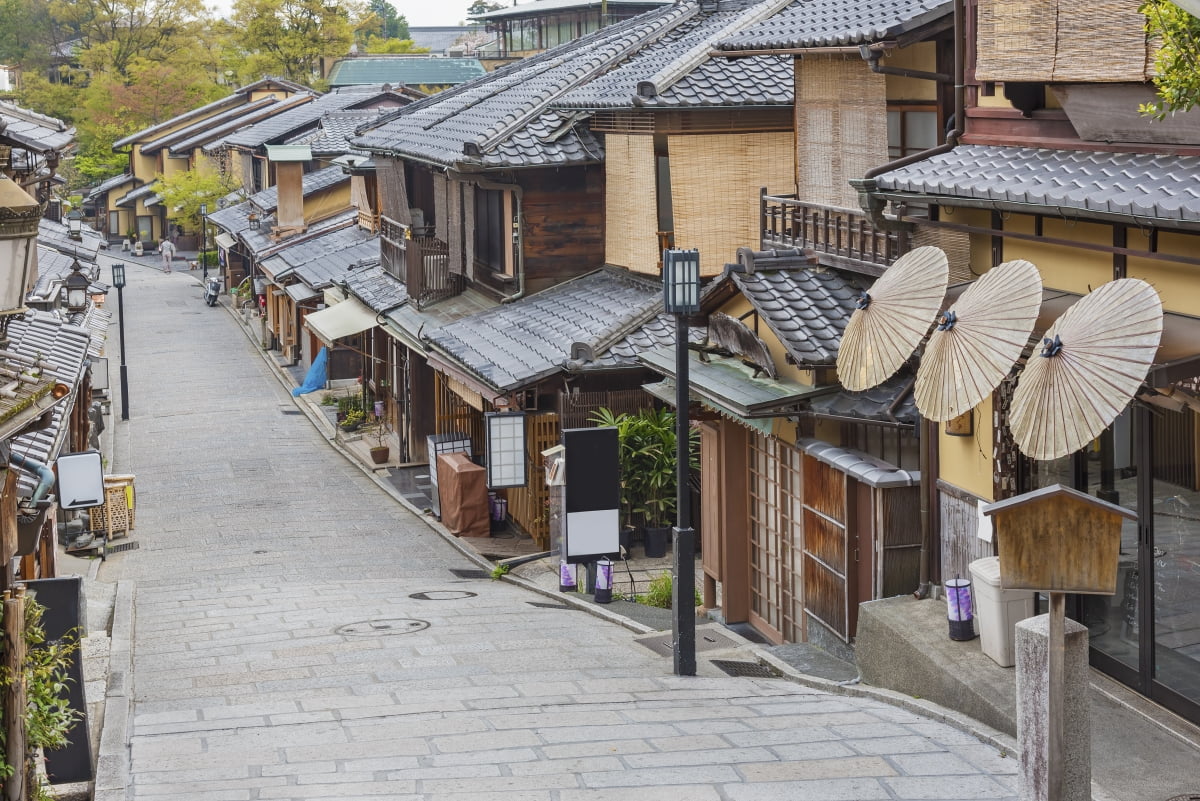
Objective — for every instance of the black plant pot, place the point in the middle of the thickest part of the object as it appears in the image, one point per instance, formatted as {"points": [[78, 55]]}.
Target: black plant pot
{"points": [[625, 537], [658, 542]]}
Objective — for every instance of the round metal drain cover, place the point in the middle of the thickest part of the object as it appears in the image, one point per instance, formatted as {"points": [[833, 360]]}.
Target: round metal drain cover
{"points": [[442, 595], [382, 628]]}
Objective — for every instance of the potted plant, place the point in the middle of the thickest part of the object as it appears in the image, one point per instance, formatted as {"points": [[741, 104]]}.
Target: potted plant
{"points": [[353, 420], [380, 451]]}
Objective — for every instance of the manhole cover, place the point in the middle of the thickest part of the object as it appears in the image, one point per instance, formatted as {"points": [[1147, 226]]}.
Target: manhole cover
{"points": [[382, 628], [442, 595], [124, 546], [707, 639], [751, 670], [469, 573]]}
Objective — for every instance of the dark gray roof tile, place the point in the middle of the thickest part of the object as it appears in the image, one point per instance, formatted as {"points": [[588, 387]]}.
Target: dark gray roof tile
{"points": [[807, 308], [1161, 187], [832, 23]]}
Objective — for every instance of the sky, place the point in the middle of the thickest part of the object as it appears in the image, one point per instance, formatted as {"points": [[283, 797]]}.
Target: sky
{"points": [[417, 12]]}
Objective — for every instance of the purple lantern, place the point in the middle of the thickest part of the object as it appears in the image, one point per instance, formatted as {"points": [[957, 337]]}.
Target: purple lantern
{"points": [[958, 609], [604, 581]]}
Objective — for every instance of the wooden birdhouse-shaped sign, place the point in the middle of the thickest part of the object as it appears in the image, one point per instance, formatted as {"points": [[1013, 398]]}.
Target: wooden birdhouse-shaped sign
{"points": [[1059, 540]]}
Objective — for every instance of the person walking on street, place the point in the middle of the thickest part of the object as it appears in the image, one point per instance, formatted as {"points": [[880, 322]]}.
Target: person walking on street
{"points": [[167, 249]]}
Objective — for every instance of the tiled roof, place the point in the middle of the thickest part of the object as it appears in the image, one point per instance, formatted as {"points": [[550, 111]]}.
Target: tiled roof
{"points": [[520, 343], [235, 218], [408, 323], [377, 289], [261, 245], [538, 7], [186, 118], [404, 70], [677, 70], [279, 127], [333, 135], [212, 139], [109, 184], [33, 131], [143, 191], [208, 125], [835, 23], [320, 260], [807, 309], [54, 235], [46, 336], [1142, 185], [504, 118], [877, 404]]}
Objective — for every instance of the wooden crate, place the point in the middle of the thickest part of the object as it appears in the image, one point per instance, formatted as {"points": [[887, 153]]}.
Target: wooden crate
{"points": [[117, 511]]}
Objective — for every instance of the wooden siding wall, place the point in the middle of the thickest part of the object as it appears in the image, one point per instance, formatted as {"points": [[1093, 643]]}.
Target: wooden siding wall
{"points": [[453, 415], [576, 409], [825, 554], [959, 517], [715, 184], [562, 224], [528, 505], [841, 127], [631, 238], [898, 528]]}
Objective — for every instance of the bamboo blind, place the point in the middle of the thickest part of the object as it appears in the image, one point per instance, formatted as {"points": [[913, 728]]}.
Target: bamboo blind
{"points": [[1054, 40], [630, 232], [392, 191], [841, 127], [715, 183], [452, 414], [527, 505], [957, 246]]}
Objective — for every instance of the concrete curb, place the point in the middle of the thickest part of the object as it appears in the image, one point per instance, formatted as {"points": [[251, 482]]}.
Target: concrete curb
{"points": [[112, 765]]}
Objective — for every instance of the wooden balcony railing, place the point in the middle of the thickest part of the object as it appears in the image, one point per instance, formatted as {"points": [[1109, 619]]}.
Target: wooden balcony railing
{"points": [[846, 235], [421, 263]]}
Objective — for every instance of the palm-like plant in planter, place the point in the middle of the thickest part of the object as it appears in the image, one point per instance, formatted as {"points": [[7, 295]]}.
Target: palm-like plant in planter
{"points": [[646, 441]]}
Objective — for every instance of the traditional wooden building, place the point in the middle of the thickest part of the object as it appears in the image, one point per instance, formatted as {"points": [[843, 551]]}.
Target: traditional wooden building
{"points": [[1055, 165]]}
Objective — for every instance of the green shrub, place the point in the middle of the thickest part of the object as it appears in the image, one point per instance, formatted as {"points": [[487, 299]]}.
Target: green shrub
{"points": [[659, 593]]}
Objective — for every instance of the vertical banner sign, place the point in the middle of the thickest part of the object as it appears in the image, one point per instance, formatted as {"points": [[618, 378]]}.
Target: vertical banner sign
{"points": [[592, 494]]}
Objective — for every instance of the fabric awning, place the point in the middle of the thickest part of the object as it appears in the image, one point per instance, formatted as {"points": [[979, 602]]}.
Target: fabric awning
{"points": [[225, 240], [343, 320]]}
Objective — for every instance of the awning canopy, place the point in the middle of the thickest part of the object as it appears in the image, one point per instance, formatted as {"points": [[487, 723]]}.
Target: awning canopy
{"points": [[225, 240], [729, 385], [343, 320]]}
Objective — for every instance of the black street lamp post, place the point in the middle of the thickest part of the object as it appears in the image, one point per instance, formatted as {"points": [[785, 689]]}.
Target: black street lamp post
{"points": [[204, 239], [681, 297], [118, 276]]}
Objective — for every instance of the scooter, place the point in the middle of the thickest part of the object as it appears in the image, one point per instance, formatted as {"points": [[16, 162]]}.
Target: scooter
{"points": [[212, 289]]}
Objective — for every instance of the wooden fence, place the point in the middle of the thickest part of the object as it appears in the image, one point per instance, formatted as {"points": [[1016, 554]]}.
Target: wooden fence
{"points": [[528, 506]]}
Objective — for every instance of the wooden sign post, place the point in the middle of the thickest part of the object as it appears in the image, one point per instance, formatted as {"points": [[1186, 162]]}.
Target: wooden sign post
{"points": [[1057, 540]]}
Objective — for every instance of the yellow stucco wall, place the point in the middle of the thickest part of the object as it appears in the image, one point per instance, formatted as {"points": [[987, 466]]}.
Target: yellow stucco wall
{"points": [[1176, 283], [921, 56], [966, 462]]}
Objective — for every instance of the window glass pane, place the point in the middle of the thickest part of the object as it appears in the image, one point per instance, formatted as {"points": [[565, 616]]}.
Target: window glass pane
{"points": [[893, 128], [920, 130]]}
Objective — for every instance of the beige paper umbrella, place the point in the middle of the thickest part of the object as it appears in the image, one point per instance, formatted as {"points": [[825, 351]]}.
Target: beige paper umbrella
{"points": [[1093, 360], [978, 340], [892, 318]]}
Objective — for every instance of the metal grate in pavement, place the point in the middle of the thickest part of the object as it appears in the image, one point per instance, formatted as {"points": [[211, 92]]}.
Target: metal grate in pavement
{"points": [[124, 546], [1185, 797], [752, 670], [469, 573], [707, 639], [290, 411], [542, 605]]}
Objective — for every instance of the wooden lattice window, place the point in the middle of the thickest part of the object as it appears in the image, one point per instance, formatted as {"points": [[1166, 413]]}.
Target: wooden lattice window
{"points": [[776, 539]]}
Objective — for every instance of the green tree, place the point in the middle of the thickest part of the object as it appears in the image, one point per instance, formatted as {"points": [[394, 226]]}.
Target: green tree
{"points": [[183, 192], [376, 45], [290, 38], [482, 7], [393, 25], [115, 32], [1177, 62]]}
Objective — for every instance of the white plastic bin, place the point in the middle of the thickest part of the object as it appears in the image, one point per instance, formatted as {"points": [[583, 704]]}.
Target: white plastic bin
{"points": [[997, 611]]}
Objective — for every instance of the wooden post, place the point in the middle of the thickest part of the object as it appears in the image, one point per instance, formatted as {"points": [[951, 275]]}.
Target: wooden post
{"points": [[1056, 652], [14, 695]]}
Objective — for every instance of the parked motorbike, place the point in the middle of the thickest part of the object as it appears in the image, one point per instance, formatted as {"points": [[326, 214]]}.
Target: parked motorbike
{"points": [[212, 289]]}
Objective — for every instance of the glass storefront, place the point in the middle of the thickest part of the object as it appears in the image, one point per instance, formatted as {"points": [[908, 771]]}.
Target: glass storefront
{"points": [[1148, 634]]}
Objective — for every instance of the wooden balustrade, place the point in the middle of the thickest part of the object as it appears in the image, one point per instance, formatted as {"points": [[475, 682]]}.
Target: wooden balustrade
{"points": [[845, 234]]}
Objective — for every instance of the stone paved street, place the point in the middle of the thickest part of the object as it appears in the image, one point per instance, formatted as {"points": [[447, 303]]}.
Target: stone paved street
{"points": [[298, 634]]}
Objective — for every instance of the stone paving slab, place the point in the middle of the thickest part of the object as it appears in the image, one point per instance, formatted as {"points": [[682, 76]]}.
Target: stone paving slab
{"points": [[270, 657]]}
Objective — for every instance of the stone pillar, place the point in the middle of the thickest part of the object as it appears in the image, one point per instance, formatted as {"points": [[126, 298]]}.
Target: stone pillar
{"points": [[1033, 712]]}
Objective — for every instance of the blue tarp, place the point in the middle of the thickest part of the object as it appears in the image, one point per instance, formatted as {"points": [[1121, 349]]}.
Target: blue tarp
{"points": [[315, 378]]}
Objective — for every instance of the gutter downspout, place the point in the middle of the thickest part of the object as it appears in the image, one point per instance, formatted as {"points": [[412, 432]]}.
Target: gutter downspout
{"points": [[45, 475], [873, 205]]}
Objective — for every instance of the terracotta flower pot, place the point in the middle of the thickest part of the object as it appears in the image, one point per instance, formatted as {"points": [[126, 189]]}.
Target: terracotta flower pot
{"points": [[380, 454]]}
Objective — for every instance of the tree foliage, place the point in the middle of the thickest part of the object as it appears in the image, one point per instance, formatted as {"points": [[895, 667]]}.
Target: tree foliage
{"points": [[375, 45], [289, 38], [482, 7], [385, 21], [1177, 62], [183, 192], [113, 33]]}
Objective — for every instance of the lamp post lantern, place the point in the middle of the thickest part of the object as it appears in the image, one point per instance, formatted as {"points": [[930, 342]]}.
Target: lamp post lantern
{"points": [[204, 239], [19, 216], [681, 297], [118, 278], [74, 224], [77, 284]]}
